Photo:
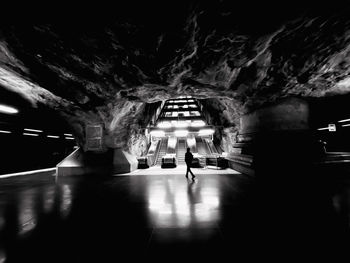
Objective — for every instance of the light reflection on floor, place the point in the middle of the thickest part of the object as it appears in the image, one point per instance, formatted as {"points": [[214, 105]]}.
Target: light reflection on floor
{"points": [[174, 201]]}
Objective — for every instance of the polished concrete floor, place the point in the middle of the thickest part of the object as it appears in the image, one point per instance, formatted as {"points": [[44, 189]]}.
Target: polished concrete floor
{"points": [[219, 217]]}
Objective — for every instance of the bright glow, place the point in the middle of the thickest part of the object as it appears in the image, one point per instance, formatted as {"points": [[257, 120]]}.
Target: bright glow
{"points": [[345, 125], [53, 136], [198, 124], [181, 124], [8, 109], [28, 172], [181, 133], [205, 132], [68, 134], [69, 138], [320, 129], [1, 131], [32, 130], [344, 120], [30, 134], [164, 125], [158, 133]]}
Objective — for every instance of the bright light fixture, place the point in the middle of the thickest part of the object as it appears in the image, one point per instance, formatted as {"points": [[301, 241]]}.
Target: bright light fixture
{"points": [[344, 120], [198, 123], [181, 124], [158, 133], [2, 131], [32, 130], [205, 132], [30, 134], [345, 125], [68, 134], [69, 138], [53, 136], [181, 133], [325, 128], [8, 109], [164, 125]]}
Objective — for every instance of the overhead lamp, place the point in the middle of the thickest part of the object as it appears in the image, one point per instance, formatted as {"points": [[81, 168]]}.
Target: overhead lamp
{"points": [[69, 138], [32, 130], [181, 133], [344, 120], [53, 136], [205, 132], [164, 125], [30, 134], [320, 129], [68, 134], [181, 124], [158, 133], [199, 123], [345, 125], [8, 109], [2, 131]]}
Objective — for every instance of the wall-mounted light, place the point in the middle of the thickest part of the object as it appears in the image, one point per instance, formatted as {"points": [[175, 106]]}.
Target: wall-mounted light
{"points": [[8, 109]]}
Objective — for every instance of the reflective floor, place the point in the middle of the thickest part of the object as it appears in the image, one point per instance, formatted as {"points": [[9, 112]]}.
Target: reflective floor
{"points": [[105, 219]]}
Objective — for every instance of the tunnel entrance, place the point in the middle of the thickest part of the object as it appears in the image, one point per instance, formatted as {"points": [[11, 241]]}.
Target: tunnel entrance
{"points": [[181, 124]]}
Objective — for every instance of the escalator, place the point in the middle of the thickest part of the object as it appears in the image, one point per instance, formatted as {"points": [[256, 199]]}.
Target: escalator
{"points": [[162, 150], [202, 147], [181, 150]]}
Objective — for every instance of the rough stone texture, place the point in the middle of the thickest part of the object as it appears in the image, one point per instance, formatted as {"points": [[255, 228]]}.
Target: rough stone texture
{"points": [[238, 57]]}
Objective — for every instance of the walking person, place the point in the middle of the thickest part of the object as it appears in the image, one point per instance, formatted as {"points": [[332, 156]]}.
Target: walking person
{"points": [[188, 160]]}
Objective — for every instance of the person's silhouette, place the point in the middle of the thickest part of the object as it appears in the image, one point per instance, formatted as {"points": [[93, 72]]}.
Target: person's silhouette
{"points": [[188, 160]]}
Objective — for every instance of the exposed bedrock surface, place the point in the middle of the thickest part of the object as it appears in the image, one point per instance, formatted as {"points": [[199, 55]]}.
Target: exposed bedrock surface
{"points": [[237, 59]]}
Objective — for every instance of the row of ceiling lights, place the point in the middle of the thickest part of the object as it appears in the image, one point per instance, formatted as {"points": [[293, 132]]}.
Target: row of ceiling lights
{"points": [[180, 124], [29, 132], [36, 133], [333, 125], [183, 133]]}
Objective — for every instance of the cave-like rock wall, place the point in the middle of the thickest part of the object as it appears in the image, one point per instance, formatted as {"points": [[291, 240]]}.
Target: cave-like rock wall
{"points": [[236, 58]]}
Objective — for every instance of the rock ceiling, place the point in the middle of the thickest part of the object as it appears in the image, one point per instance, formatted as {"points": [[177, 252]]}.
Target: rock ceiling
{"points": [[93, 68]]}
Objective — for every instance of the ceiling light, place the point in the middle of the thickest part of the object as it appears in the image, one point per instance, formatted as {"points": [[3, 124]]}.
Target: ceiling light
{"points": [[198, 124], [8, 109], [30, 134], [164, 125], [68, 134], [344, 120], [53, 136], [320, 129], [205, 132], [181, 124], [181, 133], [32, 130], [345, 125], [158, 133], [2, 131]]}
